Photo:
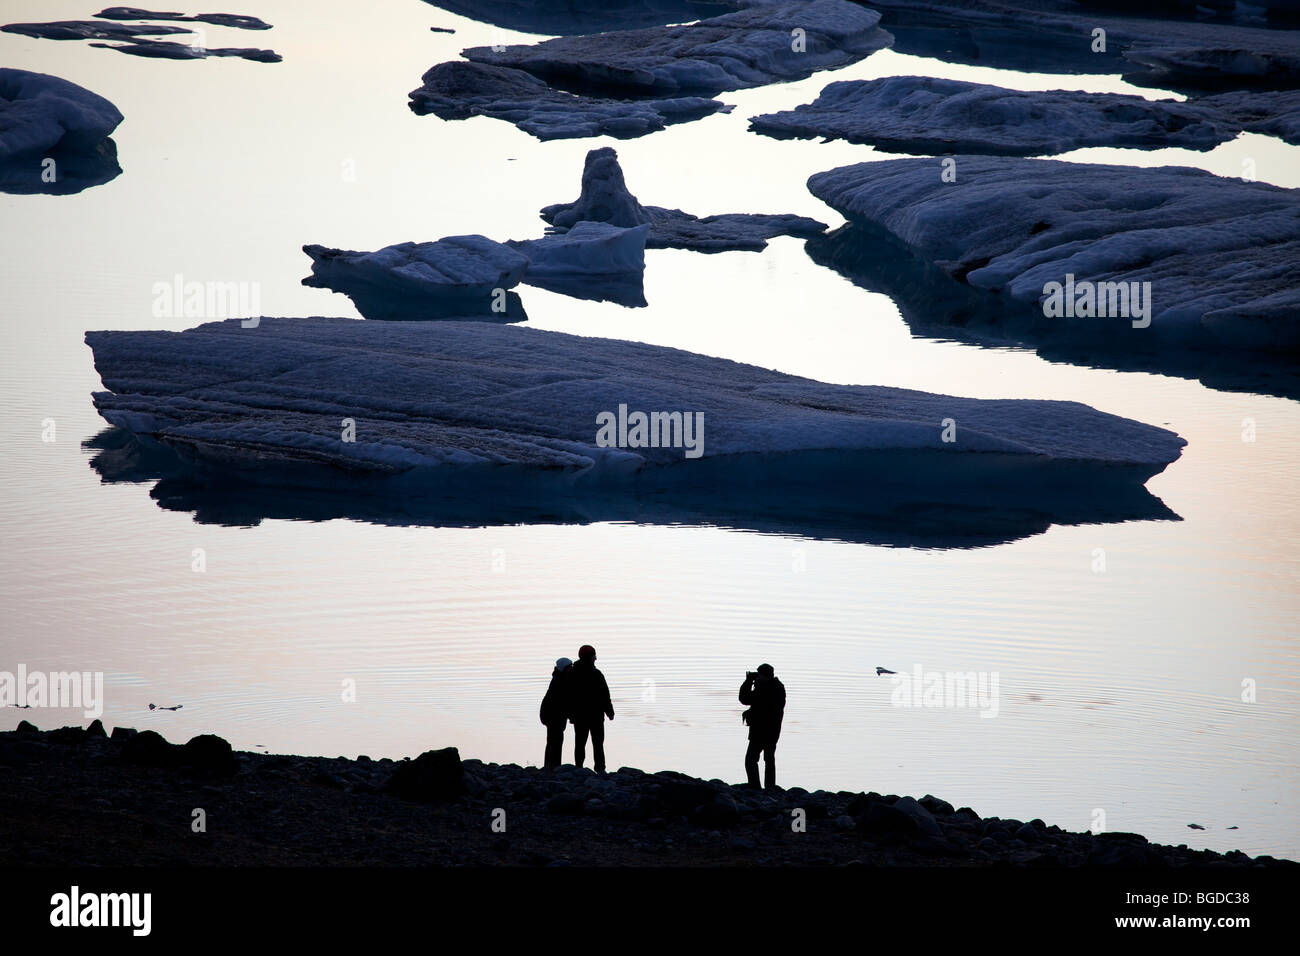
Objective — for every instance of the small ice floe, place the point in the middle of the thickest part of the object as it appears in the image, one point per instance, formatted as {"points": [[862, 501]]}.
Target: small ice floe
{"points": [[627, 83], [456, 276], [54, 135], [238, 21], [922, 114], [156, 707], [593, 260], [489, 423], [1125, 257], [606, 198], [458, 90], [884, 670], [132, 37]]}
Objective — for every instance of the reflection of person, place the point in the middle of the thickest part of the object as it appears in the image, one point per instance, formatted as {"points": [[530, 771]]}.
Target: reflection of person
{"points": [[557, 708], [765, 695], [591, 705]]}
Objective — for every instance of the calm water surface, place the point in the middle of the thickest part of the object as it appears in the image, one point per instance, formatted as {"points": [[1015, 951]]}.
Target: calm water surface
{"points": [[1119, 690]]}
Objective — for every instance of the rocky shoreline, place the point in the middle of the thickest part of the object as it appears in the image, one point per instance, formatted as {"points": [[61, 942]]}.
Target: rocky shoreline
{"points": [[78, 796]]}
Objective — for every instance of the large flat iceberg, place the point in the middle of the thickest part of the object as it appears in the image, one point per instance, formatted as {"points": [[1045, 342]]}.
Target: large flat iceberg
{"points": [[921, 114], [1214, 262], [502, 415]]}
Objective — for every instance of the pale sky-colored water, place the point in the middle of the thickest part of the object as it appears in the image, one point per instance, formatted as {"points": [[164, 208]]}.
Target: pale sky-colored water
{"points": [[1119, 690]]}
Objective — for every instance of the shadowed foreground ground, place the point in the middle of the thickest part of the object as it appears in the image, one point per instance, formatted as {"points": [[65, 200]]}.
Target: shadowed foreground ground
{"points": [[76, 797]]}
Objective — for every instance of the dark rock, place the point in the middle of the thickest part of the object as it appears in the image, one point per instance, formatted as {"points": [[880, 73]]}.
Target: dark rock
{"points": [[721, 811], [936, 806], [924, 821], [434, 775], [565, 803], [208, 753], [25, 727], [1028, 834], [149, 749], [96, 730], [880, 819], [123, 733], [67, 735]]}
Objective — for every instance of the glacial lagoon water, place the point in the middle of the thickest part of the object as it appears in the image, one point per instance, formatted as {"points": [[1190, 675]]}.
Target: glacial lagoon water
{"points": [[1120, 650]]}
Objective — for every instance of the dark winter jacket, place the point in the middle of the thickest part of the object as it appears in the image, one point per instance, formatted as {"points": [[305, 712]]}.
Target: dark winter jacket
{"points": [[557, 705], [766, 699], [591, 703]]}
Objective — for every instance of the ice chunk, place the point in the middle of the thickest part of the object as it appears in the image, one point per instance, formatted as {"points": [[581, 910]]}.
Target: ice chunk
{"points": [[760, 44], [1217, 260], [593, 260], [459, 90], [505, 417], [919, 114], [606, 198], [129, 36], [235, 20], [455, 276], [1058, 36], [54, 135]]}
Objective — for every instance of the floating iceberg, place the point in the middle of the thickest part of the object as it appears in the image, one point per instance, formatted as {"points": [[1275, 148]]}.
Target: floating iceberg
{"points": [[627, 83], [605, 198], [458, 90], [760, 44], [218, 19], [1216, 261], [129, 36], [490, 422], [455, 276], [54, 135], [1058, 36], [920, 114], [1270, 112]]}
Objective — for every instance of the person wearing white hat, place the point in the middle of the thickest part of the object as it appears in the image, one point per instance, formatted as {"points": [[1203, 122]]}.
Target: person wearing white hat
{"points": [[556, 710]]}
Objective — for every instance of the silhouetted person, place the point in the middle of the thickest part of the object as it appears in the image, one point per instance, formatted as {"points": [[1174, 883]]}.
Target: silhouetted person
{"points": [[557, 709], [765, 696], [591, 705]]}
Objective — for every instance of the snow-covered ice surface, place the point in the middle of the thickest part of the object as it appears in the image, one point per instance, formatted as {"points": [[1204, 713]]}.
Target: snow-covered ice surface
{"points": [[454, 276], [1271, 112], [606, 198], [626, 83], [1056, 36], [922, 114], [1222, 256], [497, 416], [42, 118], [458, 90]]}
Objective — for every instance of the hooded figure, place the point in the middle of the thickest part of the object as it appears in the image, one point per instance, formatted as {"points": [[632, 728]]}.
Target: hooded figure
{"points": [[557, 709], [591, 705], [765, 695]]}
